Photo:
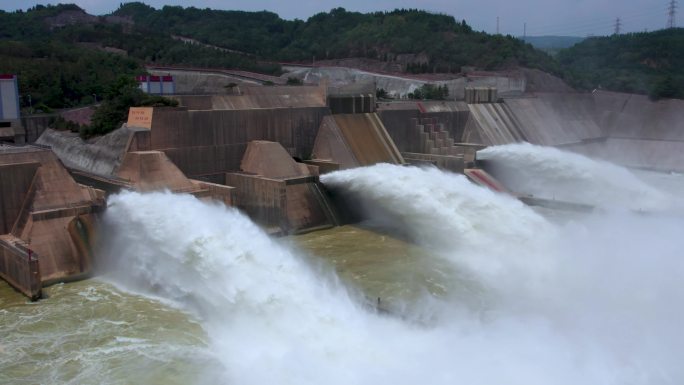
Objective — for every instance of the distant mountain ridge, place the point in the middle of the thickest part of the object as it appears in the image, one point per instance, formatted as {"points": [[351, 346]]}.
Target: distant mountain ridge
{"points": [[418, 41], [646, 63], [552, 42], [66, 57]]}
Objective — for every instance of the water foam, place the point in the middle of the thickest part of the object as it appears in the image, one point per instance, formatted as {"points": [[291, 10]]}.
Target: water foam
{"points": [[445, 211], [272, 319], [603, 285], [551, 173]]}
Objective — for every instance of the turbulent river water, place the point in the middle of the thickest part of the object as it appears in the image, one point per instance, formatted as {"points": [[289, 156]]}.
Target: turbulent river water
{"points": [[445, 283]]}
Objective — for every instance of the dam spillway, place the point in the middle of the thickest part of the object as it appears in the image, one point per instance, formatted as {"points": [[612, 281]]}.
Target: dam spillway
{"points": [[441, 281], [204, 143], [482, 277]]}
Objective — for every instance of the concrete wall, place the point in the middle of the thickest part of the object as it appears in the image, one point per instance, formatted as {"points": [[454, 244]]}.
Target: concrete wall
{"points": [[331, 146], [19, 269], [35, 125], [153, 171], [307, 207], [279, 192], [545, 119], [264, 200], [636, 117], [15, 181], [452, 115], [627, 129], [481, 95], [353, 140], [351, 104], [492, 124], [401, 124], [657, 155], [211, 142], [51, 217], [101, 156], [445, 162], [553, 119], [245, 98], [269, 159], [218, 192], [399, 86], [285, 206], [398, 119]]}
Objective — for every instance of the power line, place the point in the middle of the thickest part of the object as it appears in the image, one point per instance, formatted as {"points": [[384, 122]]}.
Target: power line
{"points": [[595, 27], [671, 11], [618, 24], [634, 13], [600, 25]]}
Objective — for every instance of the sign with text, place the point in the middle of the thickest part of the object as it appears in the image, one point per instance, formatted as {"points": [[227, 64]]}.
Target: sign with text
{"points": [[140, 117]]}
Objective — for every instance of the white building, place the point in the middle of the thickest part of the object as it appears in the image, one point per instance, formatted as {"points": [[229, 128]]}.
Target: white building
{"points": [[157, 85], [10, 116]]}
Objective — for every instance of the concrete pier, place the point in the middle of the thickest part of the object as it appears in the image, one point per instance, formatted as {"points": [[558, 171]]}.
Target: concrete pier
{"points": [[47, 220], [19, 267], [282, 195]]}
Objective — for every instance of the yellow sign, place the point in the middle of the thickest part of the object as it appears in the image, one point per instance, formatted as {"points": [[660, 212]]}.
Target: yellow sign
{"points": [[140, 117]]}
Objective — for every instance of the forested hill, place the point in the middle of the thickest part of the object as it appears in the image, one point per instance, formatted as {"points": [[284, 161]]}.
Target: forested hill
{"points": [[649, 62], [419, 41], [551, 44], [65, 57]]}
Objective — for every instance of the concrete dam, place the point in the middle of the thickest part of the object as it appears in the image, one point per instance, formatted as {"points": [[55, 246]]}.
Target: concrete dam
{"points": [[262, 150], [405, 249]]}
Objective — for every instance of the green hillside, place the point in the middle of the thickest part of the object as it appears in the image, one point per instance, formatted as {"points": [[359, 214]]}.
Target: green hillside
{"points": [[66, 64], [65, 57], [551, 44], [648, 63], [439, 42]]}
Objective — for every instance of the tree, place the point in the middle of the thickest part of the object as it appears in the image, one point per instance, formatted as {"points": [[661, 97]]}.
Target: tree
{"points": [[113, 111], [293, 81], [430, 92], [665, 88]]}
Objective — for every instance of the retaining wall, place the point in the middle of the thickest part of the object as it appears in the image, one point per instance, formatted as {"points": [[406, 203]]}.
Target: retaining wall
{"points": [[203, 143]]}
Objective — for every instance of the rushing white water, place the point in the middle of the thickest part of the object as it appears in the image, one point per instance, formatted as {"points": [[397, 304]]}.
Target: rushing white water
{"points": [[270, 317], [595, 301], [551, 173], [447, 212], [592, 301]]}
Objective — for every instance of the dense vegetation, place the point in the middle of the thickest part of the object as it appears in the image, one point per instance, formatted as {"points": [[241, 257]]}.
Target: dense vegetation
{"points": [[551, 44], [442, 43], [121, 95], [430, 92], [75, 64], [65, 63], [54, 74], [648, 63]]}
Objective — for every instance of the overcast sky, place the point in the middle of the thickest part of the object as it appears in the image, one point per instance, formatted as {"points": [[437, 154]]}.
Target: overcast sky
{"points": [[543, 17]]}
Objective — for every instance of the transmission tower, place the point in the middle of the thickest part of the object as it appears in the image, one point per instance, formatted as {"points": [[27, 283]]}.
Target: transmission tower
{"points": [[618, 25], [671, 11]]}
